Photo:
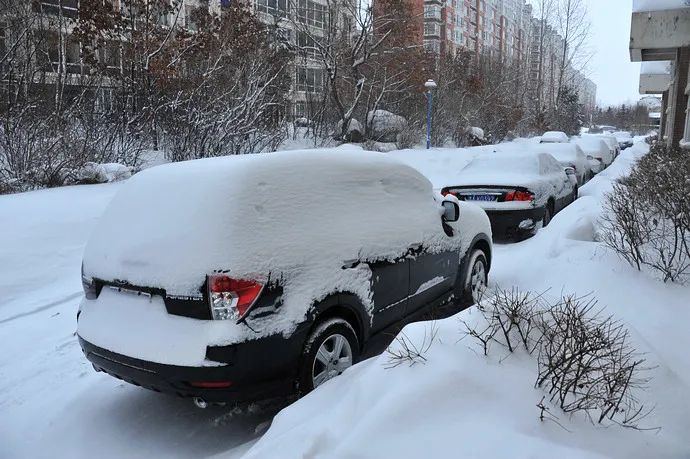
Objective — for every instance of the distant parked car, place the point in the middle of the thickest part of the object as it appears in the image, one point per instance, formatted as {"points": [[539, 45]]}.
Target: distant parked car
{"points": [[624, 138], [598, 152], [554, 137], [245, 277], [612, 142], [569, 156], [520, 191]]}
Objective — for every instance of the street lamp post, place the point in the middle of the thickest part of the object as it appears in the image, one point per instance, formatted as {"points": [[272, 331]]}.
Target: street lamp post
{"points": [[430, 85]]}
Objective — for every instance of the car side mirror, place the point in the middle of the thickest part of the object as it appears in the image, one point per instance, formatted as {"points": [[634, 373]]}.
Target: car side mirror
{"points": [[451, 211]]}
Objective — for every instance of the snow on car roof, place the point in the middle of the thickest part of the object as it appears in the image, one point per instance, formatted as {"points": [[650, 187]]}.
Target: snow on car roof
{"points": [[268, 214], [554, 137], [507, 165]]}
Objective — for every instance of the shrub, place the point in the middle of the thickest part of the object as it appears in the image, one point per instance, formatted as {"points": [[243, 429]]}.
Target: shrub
{"points": [[585, 362], [647, 214]]}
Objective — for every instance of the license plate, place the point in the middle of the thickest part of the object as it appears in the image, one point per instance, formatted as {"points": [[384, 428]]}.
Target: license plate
{"points": [[480, 197]]}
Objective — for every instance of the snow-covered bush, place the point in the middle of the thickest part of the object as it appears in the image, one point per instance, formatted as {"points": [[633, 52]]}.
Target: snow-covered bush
{"points": [[585, 362], [647, 218], [103, 173]]}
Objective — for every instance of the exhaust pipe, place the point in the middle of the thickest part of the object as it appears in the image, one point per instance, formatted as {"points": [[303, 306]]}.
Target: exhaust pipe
{"points": [[200, 402]]}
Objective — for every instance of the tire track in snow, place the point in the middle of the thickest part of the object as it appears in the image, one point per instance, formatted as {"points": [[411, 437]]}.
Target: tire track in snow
{"points": [[71, 297]]}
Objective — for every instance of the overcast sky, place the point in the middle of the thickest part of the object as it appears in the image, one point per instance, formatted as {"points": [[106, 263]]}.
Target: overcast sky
{"points": [[617, 79]]}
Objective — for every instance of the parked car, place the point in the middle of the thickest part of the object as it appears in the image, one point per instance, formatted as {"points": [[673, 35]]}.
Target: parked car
{"points": [[245, 277], [519, 190], [571, 157], [624, 138], [598, 152], [612, 142], [554, 137]]}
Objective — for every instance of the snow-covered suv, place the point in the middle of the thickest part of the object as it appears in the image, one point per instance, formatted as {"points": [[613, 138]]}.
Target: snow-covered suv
{"points": [[245, 277]]}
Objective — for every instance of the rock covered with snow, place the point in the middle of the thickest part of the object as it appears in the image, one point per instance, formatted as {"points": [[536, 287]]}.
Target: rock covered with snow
{"points": [[355, 131], [103, 173], [385, 126]]}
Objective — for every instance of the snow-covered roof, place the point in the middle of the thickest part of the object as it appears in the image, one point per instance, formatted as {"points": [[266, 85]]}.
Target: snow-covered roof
{"points": [[659, 5]]}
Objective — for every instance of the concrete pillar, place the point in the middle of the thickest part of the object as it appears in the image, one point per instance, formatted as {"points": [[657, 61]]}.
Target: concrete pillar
{"points": [[662, 121], [680, 99]]}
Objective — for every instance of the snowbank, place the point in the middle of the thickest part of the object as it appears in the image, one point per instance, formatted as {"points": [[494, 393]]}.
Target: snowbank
{"points": [[385, 126], [461, 404]]}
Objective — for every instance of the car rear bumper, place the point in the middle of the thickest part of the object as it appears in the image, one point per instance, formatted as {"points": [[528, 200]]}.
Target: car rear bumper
{"points": [[515, 224], [257, 370]]}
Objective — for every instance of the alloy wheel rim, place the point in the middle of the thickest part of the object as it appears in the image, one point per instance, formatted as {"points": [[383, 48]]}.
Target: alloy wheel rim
{"points": [[478, 280], [333, 357]]}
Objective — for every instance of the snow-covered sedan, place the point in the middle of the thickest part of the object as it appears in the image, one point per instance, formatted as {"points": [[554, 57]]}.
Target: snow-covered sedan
{"points": [[519, 190], [624, 139], [244, 277], [571, 157], [599, 154]]}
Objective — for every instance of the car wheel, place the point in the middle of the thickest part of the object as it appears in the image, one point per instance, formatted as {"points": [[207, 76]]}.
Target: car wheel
{"points": [[332, 347], [477, 277]]}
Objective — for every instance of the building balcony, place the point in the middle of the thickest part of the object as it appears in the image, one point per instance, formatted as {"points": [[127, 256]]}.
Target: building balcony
{"points": [[656, 35], [655, 77]]}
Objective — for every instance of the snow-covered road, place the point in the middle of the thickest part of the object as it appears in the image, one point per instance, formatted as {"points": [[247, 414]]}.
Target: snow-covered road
{"points": [[52, 404]]}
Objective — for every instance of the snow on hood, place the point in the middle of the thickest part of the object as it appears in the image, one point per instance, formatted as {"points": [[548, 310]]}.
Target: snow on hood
{"points": [[297, 215]]}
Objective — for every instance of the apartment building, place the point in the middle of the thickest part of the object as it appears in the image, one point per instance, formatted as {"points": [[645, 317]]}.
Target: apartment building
{"points": [[499, 27], [660, 34], [60, 56]]}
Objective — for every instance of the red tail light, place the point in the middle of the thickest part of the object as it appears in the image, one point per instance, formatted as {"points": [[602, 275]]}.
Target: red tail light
{"points": [[519, 196], [232, 298], [446, 193]]}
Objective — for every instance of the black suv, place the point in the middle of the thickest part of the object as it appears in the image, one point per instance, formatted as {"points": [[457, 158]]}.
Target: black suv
{"points": [[241, 278]]}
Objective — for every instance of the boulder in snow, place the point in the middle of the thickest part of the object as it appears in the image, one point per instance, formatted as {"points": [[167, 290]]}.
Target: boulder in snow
{"points": [[385, 126], [355, 133], [103, 173]]}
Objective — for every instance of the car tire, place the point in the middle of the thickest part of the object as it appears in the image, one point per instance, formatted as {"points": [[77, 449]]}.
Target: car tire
{"points": [[476, 277], [548, 215], [321, 358]]}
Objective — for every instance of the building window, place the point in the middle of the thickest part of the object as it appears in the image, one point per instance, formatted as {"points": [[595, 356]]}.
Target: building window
{"points": [[309, 79], [308, 47], [109, 55], [432, 28], [68, 8], [432, 45], [273, 7], [311, 13], [300, 109], [432, 12]]}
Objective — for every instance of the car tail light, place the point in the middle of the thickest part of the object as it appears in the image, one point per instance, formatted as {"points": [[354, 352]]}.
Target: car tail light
{"points": [[519, 196], [232, 298], [446, 193]]}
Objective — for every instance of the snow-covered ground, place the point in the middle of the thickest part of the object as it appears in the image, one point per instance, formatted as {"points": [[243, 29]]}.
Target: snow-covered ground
{"points": [[457, 404]]}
